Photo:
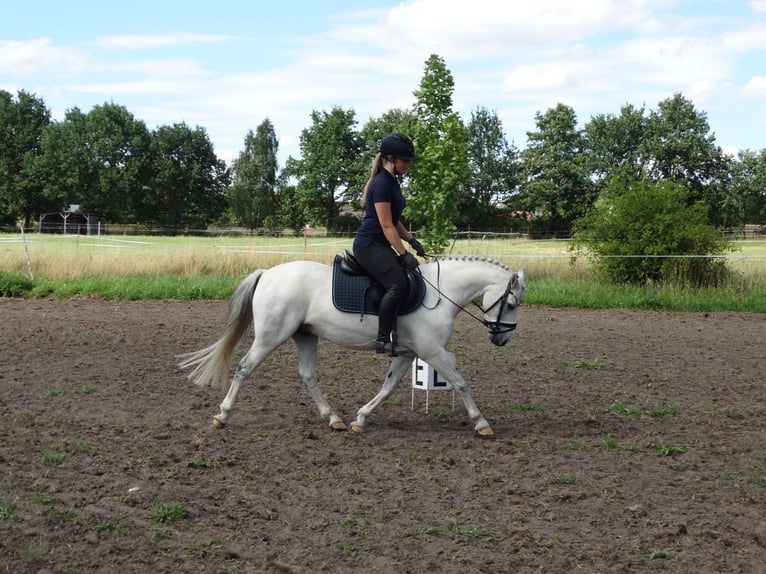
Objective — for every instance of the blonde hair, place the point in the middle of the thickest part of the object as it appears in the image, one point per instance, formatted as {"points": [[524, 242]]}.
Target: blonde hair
{"points": [[377, 165]]}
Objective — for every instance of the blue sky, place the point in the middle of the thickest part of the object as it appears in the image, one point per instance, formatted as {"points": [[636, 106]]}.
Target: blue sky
{"points": [[228, 65]]}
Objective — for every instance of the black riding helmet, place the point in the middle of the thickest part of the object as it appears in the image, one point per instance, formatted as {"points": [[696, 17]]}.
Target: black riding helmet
{"points": [[398, 145]]}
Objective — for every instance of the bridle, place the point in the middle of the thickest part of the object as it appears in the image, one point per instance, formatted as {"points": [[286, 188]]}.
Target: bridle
{"points": [[496, 327]]}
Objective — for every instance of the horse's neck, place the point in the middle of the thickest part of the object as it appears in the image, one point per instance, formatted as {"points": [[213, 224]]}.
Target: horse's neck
{"points": [[464, 279]]}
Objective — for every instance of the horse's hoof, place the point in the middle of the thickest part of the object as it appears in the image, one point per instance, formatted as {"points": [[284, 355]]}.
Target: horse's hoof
{"points": [[485, 432], [338, 425], [357, 429], [218, 424]]}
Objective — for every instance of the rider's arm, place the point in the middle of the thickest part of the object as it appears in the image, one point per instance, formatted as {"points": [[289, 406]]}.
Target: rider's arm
{"points": [[392, 233]]}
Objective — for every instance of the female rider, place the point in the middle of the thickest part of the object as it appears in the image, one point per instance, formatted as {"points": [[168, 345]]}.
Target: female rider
{"points": [[378, 243]]}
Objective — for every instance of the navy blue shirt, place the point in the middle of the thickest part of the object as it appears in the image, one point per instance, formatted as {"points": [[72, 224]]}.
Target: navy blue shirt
{"points": [[385, 188]]}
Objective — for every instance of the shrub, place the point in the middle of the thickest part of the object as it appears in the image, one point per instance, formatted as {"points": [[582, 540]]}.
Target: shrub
{"points": [[14, 284], [630, 235]]}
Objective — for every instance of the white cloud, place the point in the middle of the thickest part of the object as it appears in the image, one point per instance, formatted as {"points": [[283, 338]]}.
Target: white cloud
{"points": [[25, 58], [756, 87], [757, 5], [530, 78]]}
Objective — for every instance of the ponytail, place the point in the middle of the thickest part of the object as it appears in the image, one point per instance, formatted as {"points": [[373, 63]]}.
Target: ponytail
{"points": [[377, 165]]}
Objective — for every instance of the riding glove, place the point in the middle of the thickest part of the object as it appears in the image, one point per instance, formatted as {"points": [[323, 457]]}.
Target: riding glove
{"points": [[408, 261], [418, 247]]}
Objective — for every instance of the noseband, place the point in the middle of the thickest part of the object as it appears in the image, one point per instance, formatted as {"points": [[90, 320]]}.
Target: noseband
{"points": [[496, 327]]}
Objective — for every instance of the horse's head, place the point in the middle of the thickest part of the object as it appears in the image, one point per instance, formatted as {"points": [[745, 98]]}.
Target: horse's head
{"points": [[504, 301]]}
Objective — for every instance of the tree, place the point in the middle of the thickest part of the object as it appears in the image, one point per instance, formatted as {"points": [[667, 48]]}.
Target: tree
{"points": [[681, 148], [494, 168], [329, 167], [614, 146], [749, 183], [22, 124], [252, 195], [439, 177], [648, 235], [98, 160], [188, 186], [557, 188]]}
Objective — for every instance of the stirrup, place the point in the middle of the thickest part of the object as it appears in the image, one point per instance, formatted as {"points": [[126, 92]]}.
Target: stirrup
{"points": [[386, 347]]}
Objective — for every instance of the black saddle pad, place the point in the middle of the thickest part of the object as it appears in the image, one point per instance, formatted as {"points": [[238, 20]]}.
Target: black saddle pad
{"points": [[361, 294]]}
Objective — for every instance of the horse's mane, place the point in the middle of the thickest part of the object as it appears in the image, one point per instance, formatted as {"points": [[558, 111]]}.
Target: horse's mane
{"points": [[477, 258]]}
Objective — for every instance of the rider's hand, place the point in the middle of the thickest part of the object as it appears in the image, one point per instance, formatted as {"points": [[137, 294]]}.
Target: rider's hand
{"points": [[408, 261], [418, 247]]}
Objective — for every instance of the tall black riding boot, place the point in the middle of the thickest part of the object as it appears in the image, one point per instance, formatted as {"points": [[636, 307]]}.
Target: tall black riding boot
{"points": [[389, 307]]}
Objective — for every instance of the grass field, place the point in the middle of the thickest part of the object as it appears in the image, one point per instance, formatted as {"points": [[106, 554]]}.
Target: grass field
{"points": [[158, 266]]}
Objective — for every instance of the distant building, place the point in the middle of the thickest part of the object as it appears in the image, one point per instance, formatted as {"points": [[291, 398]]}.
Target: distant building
{"points": [[72, 222]]}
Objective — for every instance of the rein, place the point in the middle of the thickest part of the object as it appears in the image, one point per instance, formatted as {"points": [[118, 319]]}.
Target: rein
{"points": [[497, 326]]}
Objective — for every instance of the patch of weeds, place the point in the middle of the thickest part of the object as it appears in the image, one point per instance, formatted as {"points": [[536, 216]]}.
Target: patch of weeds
{"points": [[410, 456], [659, 555], [108, 526], [572, 446], [51, 458], [566, 479], [62, 515], [594, 365], [659, 412], [672, 450], [468, 532], [489, 480], [396, 401], [87, 390], [524, 407], [151, 458], [447, 461], [80, 446], [430, 531], [159, 536], [35, 552], [355, 528], [447, 412], [164, 512], [197, 462], [202, 549], [623, 409], [6, 511], [43, 499], [610, 443]]}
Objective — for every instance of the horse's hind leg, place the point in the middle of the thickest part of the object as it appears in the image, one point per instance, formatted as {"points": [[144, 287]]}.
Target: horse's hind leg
{"points": [[396, 371], [307, 368], [254, 357]]}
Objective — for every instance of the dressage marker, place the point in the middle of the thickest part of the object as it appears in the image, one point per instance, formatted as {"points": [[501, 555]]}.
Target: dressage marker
{"points": [[425, 378]]}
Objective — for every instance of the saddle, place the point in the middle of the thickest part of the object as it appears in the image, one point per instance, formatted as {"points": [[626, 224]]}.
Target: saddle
{"points": [[354, 291]]}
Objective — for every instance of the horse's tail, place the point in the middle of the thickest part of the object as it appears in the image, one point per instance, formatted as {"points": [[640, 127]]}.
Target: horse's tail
{"points": [[211, 364]]}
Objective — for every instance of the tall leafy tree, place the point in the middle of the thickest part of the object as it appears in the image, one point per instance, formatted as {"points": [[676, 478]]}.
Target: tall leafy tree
{"points": [[681, 148], [615, 148], [22, 123], [252, 195], [558, 188], [441, 174], [97, 160], [330, 164], [495, 170], [188, 187], [749, 183]]}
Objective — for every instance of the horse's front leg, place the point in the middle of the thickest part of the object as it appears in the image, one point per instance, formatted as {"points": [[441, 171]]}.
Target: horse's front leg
{"points": [[443, 363], [307, 368], [395, 373]]}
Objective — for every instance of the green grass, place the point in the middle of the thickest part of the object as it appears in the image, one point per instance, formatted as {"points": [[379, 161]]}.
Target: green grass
{"points": [[149, 267]]}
